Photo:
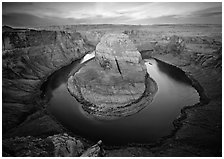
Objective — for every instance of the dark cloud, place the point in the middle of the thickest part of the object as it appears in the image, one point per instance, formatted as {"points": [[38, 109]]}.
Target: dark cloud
{"points": [[11, 6], [18, 19], [6, 5], [22, 20], [174, 19], [209, 12]]}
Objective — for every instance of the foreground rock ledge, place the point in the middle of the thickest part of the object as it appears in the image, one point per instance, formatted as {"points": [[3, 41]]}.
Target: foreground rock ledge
{"points": [[114, 84]]}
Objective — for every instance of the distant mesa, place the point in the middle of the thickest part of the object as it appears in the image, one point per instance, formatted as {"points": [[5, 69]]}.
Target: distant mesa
{"points": [[114, 84], [7, 28]]}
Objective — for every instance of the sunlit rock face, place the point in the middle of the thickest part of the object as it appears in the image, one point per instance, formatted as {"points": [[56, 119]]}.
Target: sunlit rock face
{"points": [[117, 46], [115, 83]]}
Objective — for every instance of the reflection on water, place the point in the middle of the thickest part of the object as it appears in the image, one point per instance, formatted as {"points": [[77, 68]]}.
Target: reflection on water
{"points": [[153, 122], [88, 57], [57, 79], [177, 75], [60, 77]]}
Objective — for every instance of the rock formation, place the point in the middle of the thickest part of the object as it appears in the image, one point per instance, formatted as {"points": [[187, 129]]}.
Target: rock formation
{"points": [[66, 146], [28, 58], [115, 83], [58, 145], [94, 151], [27, 146]]}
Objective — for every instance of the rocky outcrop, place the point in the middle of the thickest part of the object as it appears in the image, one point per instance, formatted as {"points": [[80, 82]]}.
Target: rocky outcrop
{"points": [[94, 151], [27, 146], [66, 146], [39, 123], [115, 83], [58, 145], [28, 58]]}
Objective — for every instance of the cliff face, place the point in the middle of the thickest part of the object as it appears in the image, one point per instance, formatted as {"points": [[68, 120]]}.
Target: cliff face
{"points": [[116, 83], [29, 57]]}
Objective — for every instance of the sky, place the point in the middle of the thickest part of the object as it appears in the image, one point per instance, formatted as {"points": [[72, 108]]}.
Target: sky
{"points": [[24, 14]]}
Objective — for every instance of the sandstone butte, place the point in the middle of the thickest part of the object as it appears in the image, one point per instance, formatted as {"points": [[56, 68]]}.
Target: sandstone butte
{"points": [[115, 83]]}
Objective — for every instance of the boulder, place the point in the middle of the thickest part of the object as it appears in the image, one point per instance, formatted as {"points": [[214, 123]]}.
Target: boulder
{"points": [[113, 84], [66, 146], [94, 151]]}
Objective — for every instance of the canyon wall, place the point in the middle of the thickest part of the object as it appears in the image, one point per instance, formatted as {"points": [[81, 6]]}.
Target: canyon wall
{"points": [[29, 57]]}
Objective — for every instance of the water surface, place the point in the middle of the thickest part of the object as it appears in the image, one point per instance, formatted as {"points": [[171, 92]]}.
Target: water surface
{"points": [[154, 121]]}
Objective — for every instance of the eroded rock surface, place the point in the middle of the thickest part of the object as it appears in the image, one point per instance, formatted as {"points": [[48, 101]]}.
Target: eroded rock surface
{"points": [[28, 58], [58, 145], [94, 151], [115, 83], [27, 146], [66, 146]]}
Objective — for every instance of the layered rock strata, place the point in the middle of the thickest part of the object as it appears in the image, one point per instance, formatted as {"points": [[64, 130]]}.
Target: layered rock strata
{"points": [[116, 82], [28, 58]]}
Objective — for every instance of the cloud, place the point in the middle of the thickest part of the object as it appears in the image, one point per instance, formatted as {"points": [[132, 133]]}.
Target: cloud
{"points": [[42, 14], [22, 20], [210, 12]]}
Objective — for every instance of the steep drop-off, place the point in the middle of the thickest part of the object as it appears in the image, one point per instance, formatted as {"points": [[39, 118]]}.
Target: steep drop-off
{"points": [[29, 57]]}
